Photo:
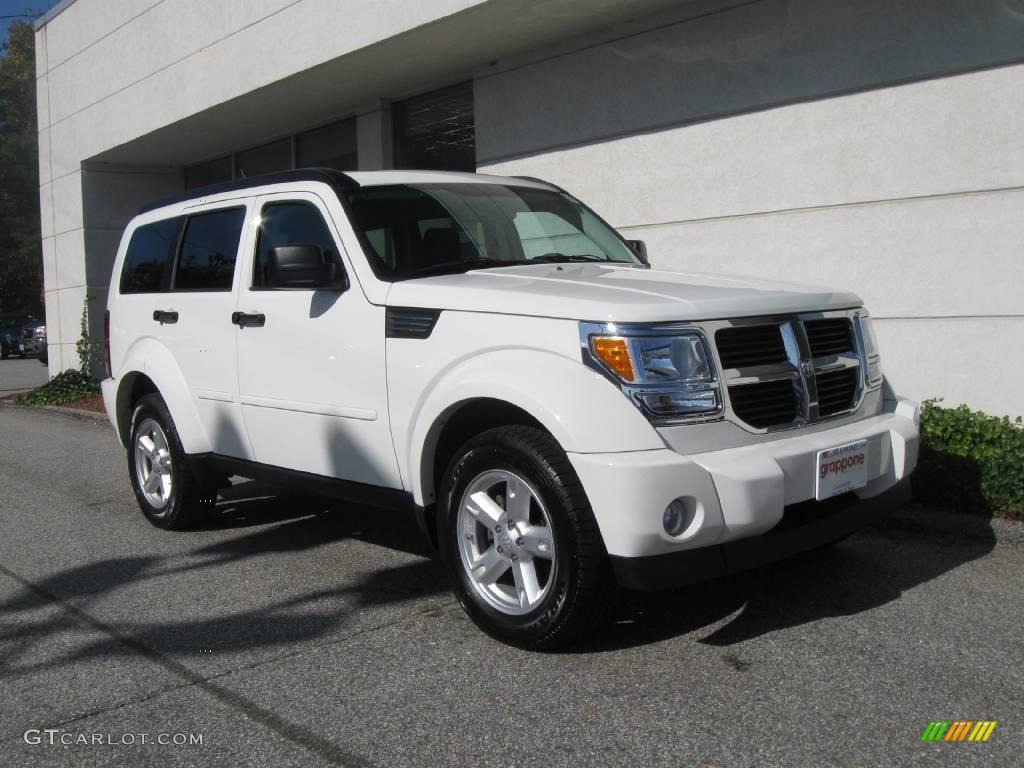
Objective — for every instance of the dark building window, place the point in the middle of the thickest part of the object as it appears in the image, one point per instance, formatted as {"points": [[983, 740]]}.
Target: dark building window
{"points": [[296, 223], [332, 146], [208, 173], [275, 156], [150, 253], [208, 251], [436, 130]]}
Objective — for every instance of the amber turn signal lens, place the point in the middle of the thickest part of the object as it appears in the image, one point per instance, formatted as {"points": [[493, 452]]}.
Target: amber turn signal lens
{"points": [[614, 352]]}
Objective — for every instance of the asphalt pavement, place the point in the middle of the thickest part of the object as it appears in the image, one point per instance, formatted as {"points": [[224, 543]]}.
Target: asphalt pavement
{"points": [[288, 632], [18, 375]]}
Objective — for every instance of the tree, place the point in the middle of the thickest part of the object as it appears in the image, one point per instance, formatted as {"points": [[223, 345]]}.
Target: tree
{"points": [[21, 268]]}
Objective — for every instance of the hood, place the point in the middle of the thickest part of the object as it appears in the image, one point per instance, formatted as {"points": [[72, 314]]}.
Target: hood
{"points": [[602, 293]]}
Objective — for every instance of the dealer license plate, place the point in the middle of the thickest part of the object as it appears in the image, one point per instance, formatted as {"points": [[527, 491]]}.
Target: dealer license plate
{"points": [[841, 469]]}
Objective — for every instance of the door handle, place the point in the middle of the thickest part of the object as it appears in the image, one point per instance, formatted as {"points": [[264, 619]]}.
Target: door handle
{"points": [[168, 316], [244, 320]]}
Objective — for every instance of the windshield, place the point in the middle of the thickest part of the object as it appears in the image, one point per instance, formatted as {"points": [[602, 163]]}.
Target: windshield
{"points": [[416, 230]]}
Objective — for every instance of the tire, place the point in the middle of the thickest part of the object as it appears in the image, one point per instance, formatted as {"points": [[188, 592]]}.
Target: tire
{"points": [[178, 498], [543, 577]]}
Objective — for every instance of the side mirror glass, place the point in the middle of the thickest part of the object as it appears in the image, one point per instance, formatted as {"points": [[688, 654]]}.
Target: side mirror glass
{"points": [[639, 247], [304, 267]]}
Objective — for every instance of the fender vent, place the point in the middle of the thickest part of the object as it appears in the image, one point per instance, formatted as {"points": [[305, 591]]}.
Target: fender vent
{"points": [[409, 322]]}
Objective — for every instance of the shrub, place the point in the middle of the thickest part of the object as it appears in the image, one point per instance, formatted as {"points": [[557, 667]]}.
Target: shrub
{"points": [[970, 461], [66, 387]]}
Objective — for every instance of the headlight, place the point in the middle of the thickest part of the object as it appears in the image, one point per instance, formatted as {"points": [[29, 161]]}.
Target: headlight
{"points": [[873, 369], [668, 373]]}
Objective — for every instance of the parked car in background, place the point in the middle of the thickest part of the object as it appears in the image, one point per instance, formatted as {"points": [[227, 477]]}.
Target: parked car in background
{"points": [[33, 340], [10, 335]]}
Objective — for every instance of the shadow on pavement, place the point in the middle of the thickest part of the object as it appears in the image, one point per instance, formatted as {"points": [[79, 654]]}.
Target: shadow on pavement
{"points": [[864, 572], [280, 525], [859, 574]]}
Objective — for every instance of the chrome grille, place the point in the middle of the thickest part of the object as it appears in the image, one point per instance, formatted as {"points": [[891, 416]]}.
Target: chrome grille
{"points": [[786, 371], [765, 403], [750, 345], [837, 391], [829, 336]]}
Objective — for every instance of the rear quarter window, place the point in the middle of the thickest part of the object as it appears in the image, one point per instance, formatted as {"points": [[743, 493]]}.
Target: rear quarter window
{"points": [[147, 263]]}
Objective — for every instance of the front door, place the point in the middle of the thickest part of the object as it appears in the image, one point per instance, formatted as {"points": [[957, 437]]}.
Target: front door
{"points": [[311, 370]]}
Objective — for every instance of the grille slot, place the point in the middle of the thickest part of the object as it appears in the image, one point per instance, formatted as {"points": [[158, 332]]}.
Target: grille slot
{"points": [[836, 391], [409, 322], [766, 403], [750, 345], [831, 336]]}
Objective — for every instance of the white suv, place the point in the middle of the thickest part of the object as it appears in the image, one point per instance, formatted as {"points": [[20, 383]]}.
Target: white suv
{"points": [[490, 354]]}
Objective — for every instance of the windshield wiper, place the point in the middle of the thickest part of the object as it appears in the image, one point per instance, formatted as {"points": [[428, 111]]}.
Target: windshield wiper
{"points": [[556, 258], [454, 267]]}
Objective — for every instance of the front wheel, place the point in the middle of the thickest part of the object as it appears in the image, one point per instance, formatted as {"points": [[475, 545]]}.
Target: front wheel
{"points": [[520, 538], [167, 487]]}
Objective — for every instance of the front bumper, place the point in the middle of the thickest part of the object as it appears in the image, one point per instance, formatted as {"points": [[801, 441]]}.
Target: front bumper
{"points": [[804, 527], [736, 494], [34, 347]]}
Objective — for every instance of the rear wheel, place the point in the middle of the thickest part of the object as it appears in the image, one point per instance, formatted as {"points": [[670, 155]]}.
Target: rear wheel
{"points": [[169, 490], [519, 536]]}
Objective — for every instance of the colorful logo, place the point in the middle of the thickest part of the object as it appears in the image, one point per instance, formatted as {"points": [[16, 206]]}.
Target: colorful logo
{"points": [[958, 730]]}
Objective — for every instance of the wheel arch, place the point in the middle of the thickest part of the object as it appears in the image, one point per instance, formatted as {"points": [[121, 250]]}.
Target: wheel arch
{"points": [[583, 412], [150, 367]]}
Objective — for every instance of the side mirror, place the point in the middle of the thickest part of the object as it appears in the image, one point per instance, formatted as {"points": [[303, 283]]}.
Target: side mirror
{"points": [[640, 249], [304, 267]]}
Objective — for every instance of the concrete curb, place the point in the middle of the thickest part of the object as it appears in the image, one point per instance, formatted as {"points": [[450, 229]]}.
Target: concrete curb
{"points": [[75, 413], [921, 519]]}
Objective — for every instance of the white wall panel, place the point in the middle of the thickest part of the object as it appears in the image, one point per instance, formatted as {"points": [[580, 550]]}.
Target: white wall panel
{"points": [[929, 257]]}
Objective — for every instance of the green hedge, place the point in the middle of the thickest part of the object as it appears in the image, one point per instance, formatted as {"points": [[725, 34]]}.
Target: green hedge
{"points": [[970, 461], [66, 387]]}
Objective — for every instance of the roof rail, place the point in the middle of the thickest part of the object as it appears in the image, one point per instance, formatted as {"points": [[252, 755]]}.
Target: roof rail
{"points": [[335, 179], [540, 181]]}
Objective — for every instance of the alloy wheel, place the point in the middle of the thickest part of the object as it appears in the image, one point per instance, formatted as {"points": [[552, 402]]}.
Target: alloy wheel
{"points": [[506, 541], [153, 463]]}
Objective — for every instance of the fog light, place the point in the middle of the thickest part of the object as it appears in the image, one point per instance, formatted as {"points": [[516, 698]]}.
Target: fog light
{"points": [[675, 518]]}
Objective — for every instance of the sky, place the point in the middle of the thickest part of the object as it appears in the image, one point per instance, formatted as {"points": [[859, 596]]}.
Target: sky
{"points": [[12, 7]]}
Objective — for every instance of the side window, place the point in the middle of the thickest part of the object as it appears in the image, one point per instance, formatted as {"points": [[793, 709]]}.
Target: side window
{"points": [[382, 241], [147, 264], [290, 223], [206, 261]]}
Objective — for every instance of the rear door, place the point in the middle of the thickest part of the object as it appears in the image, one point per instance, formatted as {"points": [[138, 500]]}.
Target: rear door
{"points": [[312, 379], [193, 319]]}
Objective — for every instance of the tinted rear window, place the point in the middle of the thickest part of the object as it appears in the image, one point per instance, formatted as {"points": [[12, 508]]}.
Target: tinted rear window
{"points": [[208, 251], [150, 254]]}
